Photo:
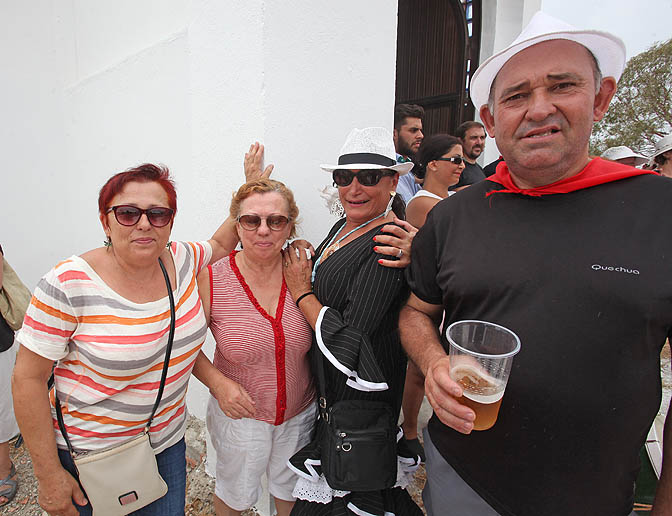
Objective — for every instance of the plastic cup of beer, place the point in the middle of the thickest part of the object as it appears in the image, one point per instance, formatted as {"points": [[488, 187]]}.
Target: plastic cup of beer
{"points": [[481, 354]]}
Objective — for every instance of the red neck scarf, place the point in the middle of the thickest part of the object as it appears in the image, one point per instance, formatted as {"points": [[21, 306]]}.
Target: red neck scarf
{"points": [[597, 172]]}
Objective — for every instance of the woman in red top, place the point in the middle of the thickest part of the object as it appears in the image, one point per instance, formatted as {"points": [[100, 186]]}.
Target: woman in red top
{"points": [[265, 411]]}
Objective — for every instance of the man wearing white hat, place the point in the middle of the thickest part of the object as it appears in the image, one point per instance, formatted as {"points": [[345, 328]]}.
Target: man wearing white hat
{"points": [[571, 256], [625, 155], [662, 155]]}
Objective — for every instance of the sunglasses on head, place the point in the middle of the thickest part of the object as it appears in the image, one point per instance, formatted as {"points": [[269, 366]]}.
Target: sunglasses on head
{"points": [[457, 160], [128, 215], [343, 177], [252, 222]]}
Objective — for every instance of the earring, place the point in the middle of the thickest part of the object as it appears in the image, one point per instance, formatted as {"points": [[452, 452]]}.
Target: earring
{"points": [[107, 242], [389, 204], [168, 244]]}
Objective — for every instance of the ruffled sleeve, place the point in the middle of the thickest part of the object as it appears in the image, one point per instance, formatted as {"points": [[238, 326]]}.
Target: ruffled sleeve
{"points": [[349, 351]]}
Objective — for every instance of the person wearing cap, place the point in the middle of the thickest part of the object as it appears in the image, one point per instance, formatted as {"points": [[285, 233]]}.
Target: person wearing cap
{"points": [[571, 256], [625, 155], [353, 305], [662, 155]]}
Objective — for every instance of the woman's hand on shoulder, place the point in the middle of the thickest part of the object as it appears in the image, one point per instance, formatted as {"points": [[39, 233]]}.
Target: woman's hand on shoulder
{"points": [[233, 399], [56, 493], [301, 244], [297, 269], [253, 162], [397, 243]]}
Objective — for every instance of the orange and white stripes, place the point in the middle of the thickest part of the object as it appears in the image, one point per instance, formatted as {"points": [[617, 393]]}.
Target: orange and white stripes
{"points": [[110, 350]]}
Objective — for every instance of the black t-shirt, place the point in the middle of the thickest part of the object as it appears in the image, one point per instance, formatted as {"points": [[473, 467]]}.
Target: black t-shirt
{"points": [[470, 175], [490, 168], [585, 280]]}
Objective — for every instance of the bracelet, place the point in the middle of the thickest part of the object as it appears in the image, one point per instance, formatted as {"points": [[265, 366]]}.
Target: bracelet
{"points": [[309, 293]]}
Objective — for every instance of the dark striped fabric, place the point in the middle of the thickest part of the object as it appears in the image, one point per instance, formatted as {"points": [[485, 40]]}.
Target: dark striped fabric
{"points": [[360, 323], [358, 334]]}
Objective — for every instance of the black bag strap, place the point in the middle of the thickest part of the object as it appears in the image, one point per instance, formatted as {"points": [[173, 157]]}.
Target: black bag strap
{"points": [[169, 345], [164, 373], [322, 386], [6, 334]]}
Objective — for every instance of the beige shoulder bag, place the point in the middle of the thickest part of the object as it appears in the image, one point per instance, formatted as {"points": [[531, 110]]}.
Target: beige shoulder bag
{"points": [[124, 478], [14, 297]]}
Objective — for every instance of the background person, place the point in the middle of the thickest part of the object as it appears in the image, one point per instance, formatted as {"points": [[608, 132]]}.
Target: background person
{"points": [[262, 410], [407, 136], [8, 427], [662, 155], [491, 167], [472, 136], [624, 155], [352, 304], [439, 164], [104, 317]]}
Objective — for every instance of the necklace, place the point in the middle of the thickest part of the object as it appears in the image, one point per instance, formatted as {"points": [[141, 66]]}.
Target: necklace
{"points": [[332, 246]]}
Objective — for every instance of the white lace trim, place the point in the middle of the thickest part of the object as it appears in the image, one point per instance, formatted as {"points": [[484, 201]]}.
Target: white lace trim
{"points": [[353, 380], [316, 490], [319, 490]]}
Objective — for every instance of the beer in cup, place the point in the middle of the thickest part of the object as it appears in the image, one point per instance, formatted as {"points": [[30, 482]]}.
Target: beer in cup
{"points": [[481, 354]]}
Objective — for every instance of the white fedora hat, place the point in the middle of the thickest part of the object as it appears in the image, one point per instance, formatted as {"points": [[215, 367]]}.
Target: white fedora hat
{"points": [[622, 152], [663, 145], [372, 147], [609, 50]]}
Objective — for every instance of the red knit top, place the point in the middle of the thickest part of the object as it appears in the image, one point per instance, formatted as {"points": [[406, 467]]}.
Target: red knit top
{"points": [[263, 353]]}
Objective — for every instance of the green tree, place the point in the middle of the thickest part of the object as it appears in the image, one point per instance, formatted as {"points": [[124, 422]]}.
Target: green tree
{"points": [[641, 110]]}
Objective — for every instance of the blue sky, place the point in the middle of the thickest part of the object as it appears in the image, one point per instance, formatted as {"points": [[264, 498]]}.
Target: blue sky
{"points": [[639, 23]]}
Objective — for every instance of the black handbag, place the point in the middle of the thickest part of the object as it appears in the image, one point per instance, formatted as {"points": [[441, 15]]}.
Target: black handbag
{"points": [[358, 441], [6, 335]]}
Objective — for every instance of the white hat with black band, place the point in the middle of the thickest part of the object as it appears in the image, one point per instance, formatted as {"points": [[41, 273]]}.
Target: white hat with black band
{"points": [[369, 148]]}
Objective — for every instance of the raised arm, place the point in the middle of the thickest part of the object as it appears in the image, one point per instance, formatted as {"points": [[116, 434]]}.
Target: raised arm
{"points": [[418, 322], [225, 238]]}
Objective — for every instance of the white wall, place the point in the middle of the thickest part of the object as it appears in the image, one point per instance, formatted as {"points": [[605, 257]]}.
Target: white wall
{"points": [[93, 88]]}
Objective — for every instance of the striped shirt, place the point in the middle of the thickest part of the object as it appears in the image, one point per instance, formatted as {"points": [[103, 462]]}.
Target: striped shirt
{"points": [[110, 351], [264, 354]]}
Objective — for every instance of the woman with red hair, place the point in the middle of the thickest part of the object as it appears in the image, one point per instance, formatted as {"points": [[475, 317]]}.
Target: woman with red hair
{"points": [[104, 318]]}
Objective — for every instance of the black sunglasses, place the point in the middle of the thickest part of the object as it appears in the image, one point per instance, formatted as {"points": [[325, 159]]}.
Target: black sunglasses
{"points": [[457, 160], [252, 222], [128, 215], [368, 177]]}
